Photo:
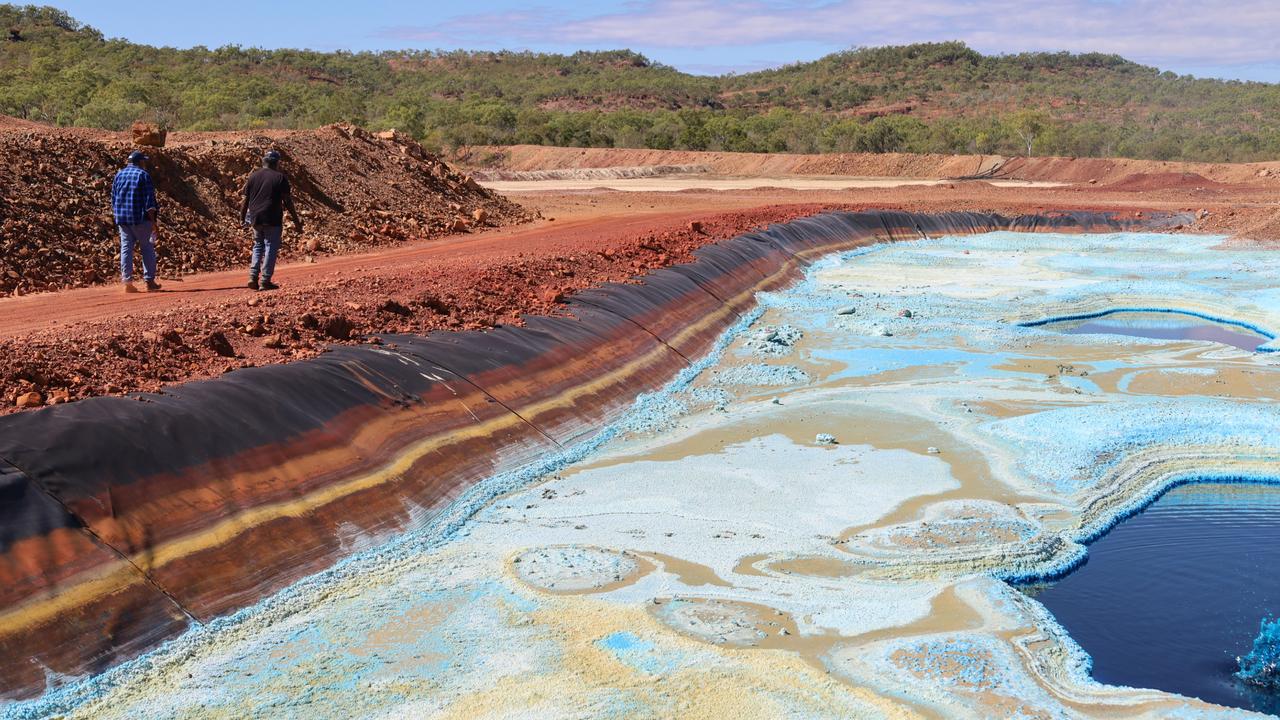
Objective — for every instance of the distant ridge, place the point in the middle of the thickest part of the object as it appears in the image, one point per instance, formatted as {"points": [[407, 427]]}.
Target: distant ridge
{"points": [[924, 98]]}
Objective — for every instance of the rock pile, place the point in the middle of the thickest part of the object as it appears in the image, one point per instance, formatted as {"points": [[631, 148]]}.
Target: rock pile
{"points": [[355, 190]]}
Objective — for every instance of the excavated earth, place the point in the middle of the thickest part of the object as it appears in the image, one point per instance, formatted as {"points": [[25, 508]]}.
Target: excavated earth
{"points": [[395, 255], [355, 190]]}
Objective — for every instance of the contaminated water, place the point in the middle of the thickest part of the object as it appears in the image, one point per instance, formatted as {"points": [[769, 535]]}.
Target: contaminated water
{"points": [[1172, 596], [1163, 326]]}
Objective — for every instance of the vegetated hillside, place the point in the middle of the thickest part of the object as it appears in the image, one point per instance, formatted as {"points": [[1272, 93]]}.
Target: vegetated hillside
{"points": [[940, 97]]}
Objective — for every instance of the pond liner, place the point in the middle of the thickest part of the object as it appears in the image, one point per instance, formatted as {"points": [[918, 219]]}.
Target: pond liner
{"points": [[672, 307], [127, 520]]}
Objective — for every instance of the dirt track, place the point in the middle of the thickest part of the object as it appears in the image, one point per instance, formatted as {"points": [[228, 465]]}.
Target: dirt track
{"points": [[95, 341]]}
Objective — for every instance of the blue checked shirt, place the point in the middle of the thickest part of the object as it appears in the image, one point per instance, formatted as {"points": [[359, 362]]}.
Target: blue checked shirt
{"points": [[132, 195]]}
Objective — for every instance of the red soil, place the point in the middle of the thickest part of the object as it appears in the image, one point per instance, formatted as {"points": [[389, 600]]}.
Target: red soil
{"points": [[68, 345], [99, 341], [1145, 182], [1102, 171], [355, 190]]}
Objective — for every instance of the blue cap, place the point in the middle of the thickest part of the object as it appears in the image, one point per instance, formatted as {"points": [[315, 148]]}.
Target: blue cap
{"points": [[272, 156], [138, 156]]}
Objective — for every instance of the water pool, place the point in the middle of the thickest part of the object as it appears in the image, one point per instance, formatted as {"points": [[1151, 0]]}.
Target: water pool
{"points": [[1163, 326], [1170, 597]]}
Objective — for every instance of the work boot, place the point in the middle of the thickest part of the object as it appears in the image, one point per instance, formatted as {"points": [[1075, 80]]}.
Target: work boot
{"points": [[129, 287], [253, 284], [268, 285], [153, 286]]}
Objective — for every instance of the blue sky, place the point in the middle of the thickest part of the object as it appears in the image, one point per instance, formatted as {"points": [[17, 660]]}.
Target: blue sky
{"points": [[1214, 38]]}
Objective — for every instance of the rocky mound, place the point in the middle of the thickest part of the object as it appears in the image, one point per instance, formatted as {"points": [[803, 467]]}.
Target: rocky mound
{"points": [[1145, 182], [355, 189]]}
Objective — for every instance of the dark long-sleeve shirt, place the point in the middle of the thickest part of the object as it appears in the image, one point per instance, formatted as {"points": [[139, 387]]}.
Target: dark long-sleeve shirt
{"points": [[132, 195], [266, 193]]}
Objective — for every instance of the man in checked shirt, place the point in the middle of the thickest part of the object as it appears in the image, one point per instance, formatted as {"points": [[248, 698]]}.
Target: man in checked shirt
{"points": [[133, 202]]}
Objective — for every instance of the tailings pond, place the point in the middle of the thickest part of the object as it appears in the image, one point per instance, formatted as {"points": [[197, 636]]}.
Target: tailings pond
{"points": [[850, 510]]}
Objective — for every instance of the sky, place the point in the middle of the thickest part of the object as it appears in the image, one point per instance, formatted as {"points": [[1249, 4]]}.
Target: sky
{"points": [[1235, 39]]}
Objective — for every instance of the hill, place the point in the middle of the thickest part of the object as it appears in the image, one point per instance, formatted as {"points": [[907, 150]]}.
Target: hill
{"points": [[926, 98]]}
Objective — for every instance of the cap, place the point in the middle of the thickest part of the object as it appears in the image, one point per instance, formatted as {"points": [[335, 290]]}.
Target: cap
{"points": [[138, 156], [272, 156]]}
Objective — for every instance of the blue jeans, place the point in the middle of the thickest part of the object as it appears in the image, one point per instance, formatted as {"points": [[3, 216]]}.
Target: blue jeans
{"points": [[266, 246], [141, 236]]}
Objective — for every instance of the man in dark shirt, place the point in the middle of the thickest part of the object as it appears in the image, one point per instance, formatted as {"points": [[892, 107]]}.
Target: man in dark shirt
{"points": [[133, 204], [266, 196]]}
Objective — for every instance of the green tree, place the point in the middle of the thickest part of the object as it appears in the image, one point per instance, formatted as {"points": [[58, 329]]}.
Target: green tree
{"points": [[1028, 125]]}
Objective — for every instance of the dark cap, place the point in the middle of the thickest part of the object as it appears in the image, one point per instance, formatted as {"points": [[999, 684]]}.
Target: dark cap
{"points": [[272, 156], [138, 156]]}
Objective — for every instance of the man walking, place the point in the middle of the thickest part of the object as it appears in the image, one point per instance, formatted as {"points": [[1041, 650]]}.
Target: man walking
{"points": [[266, 196], [133, 202]]}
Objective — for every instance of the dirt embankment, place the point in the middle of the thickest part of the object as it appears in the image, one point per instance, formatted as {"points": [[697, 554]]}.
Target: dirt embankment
{"points": [[355, 190], [1100, 171], [607, 173], [211, 325]]}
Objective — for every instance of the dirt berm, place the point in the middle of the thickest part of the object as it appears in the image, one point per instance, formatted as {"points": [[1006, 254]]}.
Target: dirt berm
{"points": [[356, 190], [517, 161]]}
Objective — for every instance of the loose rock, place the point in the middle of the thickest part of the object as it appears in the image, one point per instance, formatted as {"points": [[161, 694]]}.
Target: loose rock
{"points": [[29, 400], [338, 327], [219, 344]]}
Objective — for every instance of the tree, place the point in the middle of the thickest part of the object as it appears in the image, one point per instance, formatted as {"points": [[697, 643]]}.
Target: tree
{"points": [[1028, 125]]}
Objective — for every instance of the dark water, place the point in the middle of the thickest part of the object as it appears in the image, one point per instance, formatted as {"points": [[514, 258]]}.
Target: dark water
{"points": [[1166, 327], [1171, 596]]}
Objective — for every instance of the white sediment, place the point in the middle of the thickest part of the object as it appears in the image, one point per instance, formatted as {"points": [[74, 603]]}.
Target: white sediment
{"points": [[710, 559]]}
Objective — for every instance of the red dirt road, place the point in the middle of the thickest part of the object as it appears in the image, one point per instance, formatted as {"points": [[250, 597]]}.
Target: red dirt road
{"points": [[60, 347], [33, 313]]}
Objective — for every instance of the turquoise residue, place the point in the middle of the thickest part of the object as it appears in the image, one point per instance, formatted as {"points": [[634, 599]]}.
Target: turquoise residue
{"points": [[860, 362], [639, 654], [1261, 667]]}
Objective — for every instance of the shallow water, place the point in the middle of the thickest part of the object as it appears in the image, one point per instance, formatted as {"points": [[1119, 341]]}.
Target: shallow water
{"points": [[1170, 597], [1163, 327]]}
